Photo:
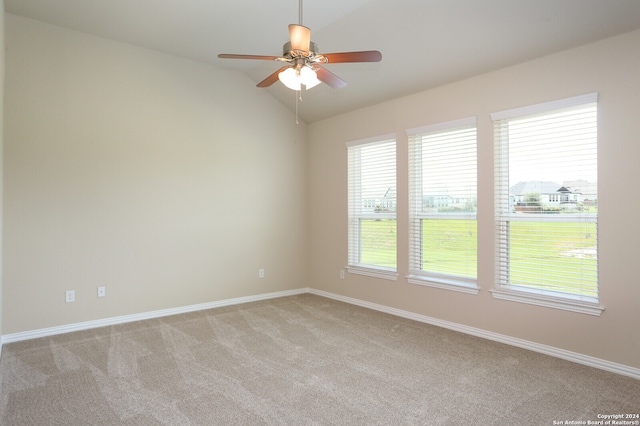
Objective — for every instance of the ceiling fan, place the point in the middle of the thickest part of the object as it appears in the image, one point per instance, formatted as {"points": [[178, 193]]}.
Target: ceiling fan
{"points": [[303, 61]]}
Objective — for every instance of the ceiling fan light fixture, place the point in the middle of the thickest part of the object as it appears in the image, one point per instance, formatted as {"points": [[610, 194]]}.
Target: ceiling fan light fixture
{"points": [[290, 78], [294, 79], [308, 77]]}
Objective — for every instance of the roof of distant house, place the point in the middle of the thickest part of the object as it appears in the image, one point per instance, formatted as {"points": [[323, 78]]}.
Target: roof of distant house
{"points": [[534, 187]]}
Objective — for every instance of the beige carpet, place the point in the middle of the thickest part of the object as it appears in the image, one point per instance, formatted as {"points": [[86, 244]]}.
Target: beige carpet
{"points": [[295, 361]]}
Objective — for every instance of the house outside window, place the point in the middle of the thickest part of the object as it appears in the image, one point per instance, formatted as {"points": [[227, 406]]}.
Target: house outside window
{"points": [[546, 204], [443, 205], [372, 207]]}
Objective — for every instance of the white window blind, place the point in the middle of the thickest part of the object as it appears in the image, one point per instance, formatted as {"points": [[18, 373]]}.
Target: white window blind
{"points": [[372, 205], [547, 199], [443, 204]]}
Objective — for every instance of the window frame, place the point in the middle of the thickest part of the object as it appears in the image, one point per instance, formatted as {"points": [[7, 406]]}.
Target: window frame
{"points": [[504, 217], [355, 217], [417, 275]]}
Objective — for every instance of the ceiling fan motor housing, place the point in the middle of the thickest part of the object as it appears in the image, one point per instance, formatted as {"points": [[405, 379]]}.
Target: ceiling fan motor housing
{"points": [[288, 52]]}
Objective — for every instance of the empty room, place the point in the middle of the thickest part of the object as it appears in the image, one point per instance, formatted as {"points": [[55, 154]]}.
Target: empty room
{"points": [[321, 212]]}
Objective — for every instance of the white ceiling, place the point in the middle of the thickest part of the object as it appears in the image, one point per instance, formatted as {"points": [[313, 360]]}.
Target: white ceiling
{"points": [[424, 43]]}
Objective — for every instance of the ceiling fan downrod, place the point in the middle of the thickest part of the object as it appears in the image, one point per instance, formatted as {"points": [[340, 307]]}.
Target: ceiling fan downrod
{"points": [[300, 13]]}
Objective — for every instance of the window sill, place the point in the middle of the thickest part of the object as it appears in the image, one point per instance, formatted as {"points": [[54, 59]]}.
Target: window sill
{"points": [[548, 301], [386, 274], [444, 284]]}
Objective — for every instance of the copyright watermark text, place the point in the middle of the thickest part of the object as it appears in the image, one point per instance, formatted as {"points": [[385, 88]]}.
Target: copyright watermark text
{"points": [[611, 419]]}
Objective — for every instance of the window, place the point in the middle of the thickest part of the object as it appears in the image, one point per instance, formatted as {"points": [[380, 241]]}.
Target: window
{"points": [[372, 207], [547, 204], [442, 206]]}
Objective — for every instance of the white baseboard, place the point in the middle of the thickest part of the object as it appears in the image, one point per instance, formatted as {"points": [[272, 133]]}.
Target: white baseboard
{"points": [[513, 341], [578, 358], [51, 331]]}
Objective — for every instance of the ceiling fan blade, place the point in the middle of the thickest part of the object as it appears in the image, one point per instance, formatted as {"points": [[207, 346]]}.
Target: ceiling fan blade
{"points": [[259, 57], [300, 37], [329, 78], [365, 56], [272, 78]]}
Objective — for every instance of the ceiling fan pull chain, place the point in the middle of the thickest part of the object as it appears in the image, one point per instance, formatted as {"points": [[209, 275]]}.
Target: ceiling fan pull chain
{"points": [[298, 96]]}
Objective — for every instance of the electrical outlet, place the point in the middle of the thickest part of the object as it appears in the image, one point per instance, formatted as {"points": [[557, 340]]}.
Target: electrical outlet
{"points": [[342, 274], [260, 273], [70, 296], [101, 291]]}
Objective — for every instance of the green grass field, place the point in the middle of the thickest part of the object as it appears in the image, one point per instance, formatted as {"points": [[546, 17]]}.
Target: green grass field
{"points": [[378, 242], [449, 247], [566, 249]]}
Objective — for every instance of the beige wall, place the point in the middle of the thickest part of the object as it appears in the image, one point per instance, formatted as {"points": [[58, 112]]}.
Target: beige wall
{"points": [[168, 181], [611, 68]]}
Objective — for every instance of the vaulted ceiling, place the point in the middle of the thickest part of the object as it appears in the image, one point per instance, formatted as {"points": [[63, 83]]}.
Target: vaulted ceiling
{"points": [[424, 43]]}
